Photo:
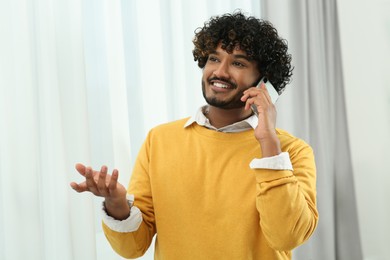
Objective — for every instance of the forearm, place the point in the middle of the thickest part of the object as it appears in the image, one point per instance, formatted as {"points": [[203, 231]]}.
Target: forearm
{"points": [[129, 237], [118, 209], [270, 146], [287, 216], [129, 244], [286, 199]]}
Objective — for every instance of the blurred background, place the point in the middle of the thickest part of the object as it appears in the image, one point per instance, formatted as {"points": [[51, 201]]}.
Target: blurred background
{"points": [[84, 81]]}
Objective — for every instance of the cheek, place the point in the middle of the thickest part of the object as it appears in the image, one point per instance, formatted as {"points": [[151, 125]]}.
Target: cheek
{"points": [[206, 73], [249, 80], [247, 83]]}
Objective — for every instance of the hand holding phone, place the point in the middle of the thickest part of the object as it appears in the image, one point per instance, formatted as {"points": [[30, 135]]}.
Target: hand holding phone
{"points": [[271, 91], [265, 131]]}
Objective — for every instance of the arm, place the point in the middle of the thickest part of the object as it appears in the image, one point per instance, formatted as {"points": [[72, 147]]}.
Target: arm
{"points": [[127, 244], [134, 244], [286, 199]]}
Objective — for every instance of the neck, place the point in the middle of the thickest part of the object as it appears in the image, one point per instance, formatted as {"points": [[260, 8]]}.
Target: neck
{"points": [[219, 117]]}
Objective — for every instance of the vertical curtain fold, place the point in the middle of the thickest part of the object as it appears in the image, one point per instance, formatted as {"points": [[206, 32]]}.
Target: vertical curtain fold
{"points": [[44, 132], [320, 118]]}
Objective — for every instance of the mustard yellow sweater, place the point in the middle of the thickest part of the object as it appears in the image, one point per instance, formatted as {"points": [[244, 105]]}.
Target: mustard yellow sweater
{"points": [[196, 190]]}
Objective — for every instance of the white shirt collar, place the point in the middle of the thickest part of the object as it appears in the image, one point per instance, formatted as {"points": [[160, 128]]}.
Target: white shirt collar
{"points": [[199, 118]]}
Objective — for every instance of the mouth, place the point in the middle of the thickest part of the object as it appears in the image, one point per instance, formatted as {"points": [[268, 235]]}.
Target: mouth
{"points": [[221, 85]]}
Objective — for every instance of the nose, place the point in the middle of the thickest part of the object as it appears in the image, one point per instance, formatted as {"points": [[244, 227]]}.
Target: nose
{"points": [[222, 70]]}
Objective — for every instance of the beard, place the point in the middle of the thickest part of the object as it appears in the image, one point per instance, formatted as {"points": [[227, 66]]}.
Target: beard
{"points": [[232, 103]]}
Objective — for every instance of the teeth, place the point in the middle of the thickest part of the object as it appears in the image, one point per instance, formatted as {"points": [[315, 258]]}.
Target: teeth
{"points": [[220, 85]]}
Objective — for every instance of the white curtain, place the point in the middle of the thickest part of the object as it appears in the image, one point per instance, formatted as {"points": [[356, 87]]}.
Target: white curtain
{"points": [[83, 81], [43, 132], [314, 108], [368, 107]]}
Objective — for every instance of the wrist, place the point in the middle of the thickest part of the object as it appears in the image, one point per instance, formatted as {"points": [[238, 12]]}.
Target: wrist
{"points": [[117, 202], [270, 146], [118, 209]]}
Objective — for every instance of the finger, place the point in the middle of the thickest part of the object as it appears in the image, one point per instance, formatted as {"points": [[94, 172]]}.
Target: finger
{"points": [[255, 101], [250, 89], [96, 175], [259, 100], [251, 92], [247, 93], [79, 187], [114, 180], [91, 184], [255, 91], [244, 97], [262, 95], [249, 102], [101, 183], [80, 168]]}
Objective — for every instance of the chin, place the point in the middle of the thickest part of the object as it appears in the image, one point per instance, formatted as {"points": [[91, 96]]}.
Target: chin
{"points": [[223, 104]]}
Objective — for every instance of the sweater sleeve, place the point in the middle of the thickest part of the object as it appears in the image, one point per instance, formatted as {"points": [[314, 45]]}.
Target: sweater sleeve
{"points": [[286, 200], [134, 244]]}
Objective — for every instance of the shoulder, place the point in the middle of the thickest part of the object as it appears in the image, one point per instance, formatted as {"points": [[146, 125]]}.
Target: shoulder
{"points": [[170, 128], [290, 142], [177, 124]]}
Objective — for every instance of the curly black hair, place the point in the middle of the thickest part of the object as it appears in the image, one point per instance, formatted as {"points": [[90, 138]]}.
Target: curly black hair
{"points": [[258, 38]]}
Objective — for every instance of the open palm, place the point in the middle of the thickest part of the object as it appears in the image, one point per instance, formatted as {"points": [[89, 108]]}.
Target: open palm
{"points": [[100, 183]]}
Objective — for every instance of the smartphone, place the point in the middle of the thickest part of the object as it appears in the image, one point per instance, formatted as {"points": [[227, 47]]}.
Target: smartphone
{"points": [[271, 91]]}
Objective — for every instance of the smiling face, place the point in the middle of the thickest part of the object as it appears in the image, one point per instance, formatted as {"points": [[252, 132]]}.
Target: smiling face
{"points": [[226, 76]]}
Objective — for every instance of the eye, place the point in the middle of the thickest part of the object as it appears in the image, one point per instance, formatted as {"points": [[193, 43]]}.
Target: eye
{"points": [[212, 59], [238, 64]]}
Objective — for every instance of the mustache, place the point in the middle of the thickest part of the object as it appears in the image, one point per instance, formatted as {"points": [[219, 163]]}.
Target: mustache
{"points": [[223, 80]]}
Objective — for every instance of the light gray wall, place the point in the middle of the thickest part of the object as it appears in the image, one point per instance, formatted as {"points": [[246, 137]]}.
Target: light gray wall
{"points": [[365, 43]]}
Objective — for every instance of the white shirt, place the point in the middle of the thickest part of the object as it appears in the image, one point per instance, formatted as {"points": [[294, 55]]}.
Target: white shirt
{"points": [[278, 162]]}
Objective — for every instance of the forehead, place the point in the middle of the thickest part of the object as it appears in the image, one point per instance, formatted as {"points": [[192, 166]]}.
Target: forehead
{"points": [[237, 52]]}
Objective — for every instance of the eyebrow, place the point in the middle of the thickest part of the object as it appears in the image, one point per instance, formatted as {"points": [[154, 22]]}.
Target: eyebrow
{"points": [[237, 56]]}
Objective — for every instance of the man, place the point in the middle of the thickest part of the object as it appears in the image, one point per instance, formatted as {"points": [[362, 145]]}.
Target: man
{"points": [[225, 183]]}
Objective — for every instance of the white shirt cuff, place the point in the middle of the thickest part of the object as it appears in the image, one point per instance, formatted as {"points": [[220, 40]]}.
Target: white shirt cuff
{"points": [[278, 162], [130, 224]]}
